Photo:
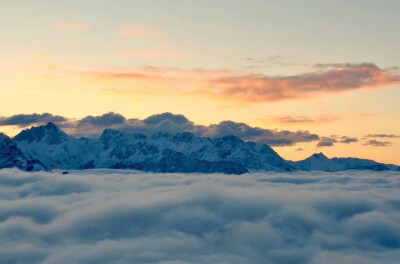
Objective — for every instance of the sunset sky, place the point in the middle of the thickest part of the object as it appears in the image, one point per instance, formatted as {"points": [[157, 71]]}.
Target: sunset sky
{"points": [[326, 67]]}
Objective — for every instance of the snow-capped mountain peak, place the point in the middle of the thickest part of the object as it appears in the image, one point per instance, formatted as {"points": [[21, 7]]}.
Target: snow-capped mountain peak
{"points": [[319, 156], [49, 147], [11, 155], [49, 134]]}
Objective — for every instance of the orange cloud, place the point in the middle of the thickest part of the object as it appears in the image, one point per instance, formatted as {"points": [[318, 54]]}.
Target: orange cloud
{"points": [[121, 75], [191, 77], [142, 32], [338, 78], [364, 115], [135, 84], [73, 26], [299, 120], [235, 86]]}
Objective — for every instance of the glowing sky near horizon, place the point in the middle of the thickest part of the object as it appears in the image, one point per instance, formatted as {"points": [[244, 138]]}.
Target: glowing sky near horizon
{"points": [[324, 66]]}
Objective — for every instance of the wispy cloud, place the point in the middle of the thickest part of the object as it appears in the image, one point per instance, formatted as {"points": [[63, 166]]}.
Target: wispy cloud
{"points": [[273, 61], [236, 86], [377, 143], [382, 136], [263, 88], [348, 140], [298, 120], [73, 26], [118, 75], [40, 56], [293, 119], [142, 32], [364, 115], [331, 140], [154, 53]]}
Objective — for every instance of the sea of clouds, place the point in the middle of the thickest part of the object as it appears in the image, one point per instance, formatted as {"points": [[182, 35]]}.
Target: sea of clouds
{"points": [[110, 216]]}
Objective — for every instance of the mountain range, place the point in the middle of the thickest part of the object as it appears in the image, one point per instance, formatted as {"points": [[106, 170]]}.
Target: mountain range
{"points": [[48, 147]]}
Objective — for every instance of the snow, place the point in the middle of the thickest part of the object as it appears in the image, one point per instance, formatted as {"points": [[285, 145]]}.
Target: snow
{"points": [[49, 147]]}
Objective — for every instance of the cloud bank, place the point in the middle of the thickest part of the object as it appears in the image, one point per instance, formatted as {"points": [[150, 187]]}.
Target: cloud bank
{"points": [[331, 78], [91, 126], [23, 120], [245, 87], [105, 216]]}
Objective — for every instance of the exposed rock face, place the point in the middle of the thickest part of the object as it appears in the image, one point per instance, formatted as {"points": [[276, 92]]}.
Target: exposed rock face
{"points": [[48, 147], [12, 156]]}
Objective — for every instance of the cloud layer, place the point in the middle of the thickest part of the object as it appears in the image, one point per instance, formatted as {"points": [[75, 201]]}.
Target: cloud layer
{"points": [[23, 120], [93, 126], [166, 123], [105, 216]]}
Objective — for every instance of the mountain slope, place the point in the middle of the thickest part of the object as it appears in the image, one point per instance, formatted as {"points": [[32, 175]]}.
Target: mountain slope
{"points": [[12, 156], [137, 148], [251, 155], [320, 162], [160, 153], [55, 148], [49, 147]]}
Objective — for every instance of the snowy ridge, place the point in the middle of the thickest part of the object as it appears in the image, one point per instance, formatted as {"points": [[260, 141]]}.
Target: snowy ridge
{"points": [[11, 156], [320, 162], [48, 147]]}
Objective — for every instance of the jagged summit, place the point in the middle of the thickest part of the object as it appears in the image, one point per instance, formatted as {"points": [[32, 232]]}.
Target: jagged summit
{"points": [[159, 135], [184, 137], [111, 136], [318, 156], [51, 126], [48, 146], [3, 136], [49, 134], [232, 138], [11, 155]]}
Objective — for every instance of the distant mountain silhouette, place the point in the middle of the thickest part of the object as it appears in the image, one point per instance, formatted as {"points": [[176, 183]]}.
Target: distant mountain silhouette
{"points": [[48, 147]]}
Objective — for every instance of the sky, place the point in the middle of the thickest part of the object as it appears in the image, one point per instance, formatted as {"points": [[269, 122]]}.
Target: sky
{"points": [[326, 67]]}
